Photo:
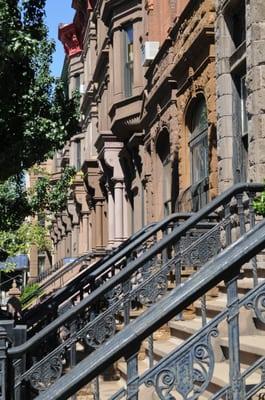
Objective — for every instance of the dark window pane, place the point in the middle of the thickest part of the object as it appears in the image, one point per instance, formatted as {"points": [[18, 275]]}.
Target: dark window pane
{"points": [[78, 155], [199, 143], [199, 160]]}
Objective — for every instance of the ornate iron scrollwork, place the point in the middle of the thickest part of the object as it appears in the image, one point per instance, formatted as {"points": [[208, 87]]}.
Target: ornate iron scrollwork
{"points": [[47, 373], [258, 305], [101, 331], [188, 374], [197, 250], [113, 295], [153, 289]]}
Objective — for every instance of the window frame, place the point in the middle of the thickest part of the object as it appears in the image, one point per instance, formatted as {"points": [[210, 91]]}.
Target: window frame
{"points": [[198, 136], [128, 59]]}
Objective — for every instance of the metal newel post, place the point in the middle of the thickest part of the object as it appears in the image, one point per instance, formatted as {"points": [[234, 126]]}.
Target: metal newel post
{"points": [[3, 364]]}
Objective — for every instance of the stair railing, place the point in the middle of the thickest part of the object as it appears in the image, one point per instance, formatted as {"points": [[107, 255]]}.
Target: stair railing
{"points": [[186, 371], [95, 318], [86, 258], [41, 314]]}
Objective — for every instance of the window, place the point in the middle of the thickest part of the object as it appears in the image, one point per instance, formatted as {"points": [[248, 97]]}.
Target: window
{"points": [[163, 151], [199, 154], [238, 18], [243, 103], [77, 82], [41, 262], [240, 121], [78, 154], [128, 60], [199, 144]]}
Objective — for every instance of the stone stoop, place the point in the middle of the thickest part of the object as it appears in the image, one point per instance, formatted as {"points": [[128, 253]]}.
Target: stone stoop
{"points": [[177, 331], [251, 348]]}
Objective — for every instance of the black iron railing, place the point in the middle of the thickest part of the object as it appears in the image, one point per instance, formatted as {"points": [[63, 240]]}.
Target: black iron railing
{"points": [[143, 281], [86, 280], [186, 371]]}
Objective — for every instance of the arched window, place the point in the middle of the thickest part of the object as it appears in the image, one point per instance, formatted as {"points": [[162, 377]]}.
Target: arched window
{"points": [[199, 150]]}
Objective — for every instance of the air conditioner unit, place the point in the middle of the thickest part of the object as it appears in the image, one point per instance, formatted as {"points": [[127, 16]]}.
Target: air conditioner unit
{"points": [[149, 51]]}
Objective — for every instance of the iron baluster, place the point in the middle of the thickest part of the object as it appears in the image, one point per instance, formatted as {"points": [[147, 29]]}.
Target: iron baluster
{"points": [[240, 208], [17, 366], [252, 224], [126, 287], [96, 389], [236, 382], [228, 235], [203, 309], [178, 282], [165, 251], [151, 350], [132, 376], [73, 350]]}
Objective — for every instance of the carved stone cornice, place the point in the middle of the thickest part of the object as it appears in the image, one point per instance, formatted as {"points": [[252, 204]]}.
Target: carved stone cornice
{"points": [[92, 178], [125, 116], [109, 6], [69, 38], [109, 147], [72, 211]]}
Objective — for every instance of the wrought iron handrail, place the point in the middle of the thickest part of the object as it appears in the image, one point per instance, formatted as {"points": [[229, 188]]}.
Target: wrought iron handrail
{"points": [[225, 266], [68, 267], [134, 265], [89, 275], [52, 301]]}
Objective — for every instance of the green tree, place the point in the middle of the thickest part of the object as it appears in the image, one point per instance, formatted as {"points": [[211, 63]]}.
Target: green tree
{"points": [[36, 117], [16, 234]]}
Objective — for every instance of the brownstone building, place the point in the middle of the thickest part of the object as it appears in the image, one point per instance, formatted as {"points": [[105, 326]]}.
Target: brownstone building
{"points": [[165, 87]]}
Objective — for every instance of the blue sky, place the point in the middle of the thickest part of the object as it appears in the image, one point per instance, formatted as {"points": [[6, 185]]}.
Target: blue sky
{"points": [[58, 11]]}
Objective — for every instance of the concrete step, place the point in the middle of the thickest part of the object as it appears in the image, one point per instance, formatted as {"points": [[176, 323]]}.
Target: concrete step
{"points": [[252, 347], [244, 285], [184, 329]]}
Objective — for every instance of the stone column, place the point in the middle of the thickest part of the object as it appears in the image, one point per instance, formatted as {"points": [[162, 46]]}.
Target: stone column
{"points": [[118, 198], [85, 240], [34, 271], [256, 88], [75, 241], [111, 219], [80, 241], [224, 104], [99, 224], [125, 215], [90, 231]]}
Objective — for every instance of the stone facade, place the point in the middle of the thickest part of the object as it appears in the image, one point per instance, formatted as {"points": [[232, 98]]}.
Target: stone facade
{"points": [[240, 91], [172, 103]]}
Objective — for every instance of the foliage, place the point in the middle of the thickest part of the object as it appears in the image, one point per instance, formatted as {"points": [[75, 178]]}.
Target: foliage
{"points": [[259, 204], [30, 291], [27, 235], [14, 206], [52, 197], [18, 235], [36, 118]]}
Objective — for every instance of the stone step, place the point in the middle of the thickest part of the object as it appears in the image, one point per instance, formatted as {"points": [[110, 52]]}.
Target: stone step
{"points": [[244, 285], [251, 348]]}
